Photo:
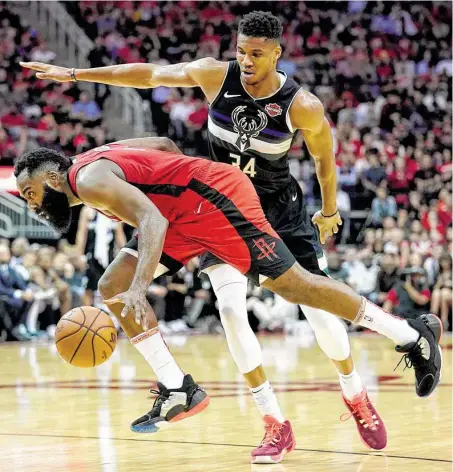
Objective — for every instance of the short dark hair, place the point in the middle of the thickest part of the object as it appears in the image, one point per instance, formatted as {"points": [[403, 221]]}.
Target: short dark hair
{"points": [[261, 24], [37, 158]]}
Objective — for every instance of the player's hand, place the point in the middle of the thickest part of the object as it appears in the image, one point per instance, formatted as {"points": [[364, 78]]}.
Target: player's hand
{"points": [[133, 300], [327, 226], [49, 71]]}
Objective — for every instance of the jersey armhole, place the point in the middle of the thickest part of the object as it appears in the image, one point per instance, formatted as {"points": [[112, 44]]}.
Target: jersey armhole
{"points": [[288, 118], [221, 86], [73, 182]]}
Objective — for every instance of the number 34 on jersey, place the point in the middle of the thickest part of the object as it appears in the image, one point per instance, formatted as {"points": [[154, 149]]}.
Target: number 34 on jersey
{"points": [[248, 169]]}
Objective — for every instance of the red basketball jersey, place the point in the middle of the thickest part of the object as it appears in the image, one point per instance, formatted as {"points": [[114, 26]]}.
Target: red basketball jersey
{"points": [[162, 176]]}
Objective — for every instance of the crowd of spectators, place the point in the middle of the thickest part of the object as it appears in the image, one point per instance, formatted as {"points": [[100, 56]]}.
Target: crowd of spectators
{"points": [[35, 112], [383, 72], [39, 283]]}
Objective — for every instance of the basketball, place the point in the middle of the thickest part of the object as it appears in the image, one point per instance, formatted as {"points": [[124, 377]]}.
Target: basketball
{"points": [[85, 336]]}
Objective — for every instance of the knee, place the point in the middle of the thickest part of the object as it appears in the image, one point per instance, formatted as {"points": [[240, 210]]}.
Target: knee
{"points": [[232, 307], [227, 308]]}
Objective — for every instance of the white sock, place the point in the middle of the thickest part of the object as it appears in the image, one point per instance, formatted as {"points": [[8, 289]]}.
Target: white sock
{"points": [[351, 384], [375, 318], [152, 347], [266, 401]]}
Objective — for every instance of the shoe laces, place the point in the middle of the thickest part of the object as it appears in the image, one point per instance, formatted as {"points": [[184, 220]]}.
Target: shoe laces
{"points": [[272, 434], [411, 358], [363, 411], [162, 397]]}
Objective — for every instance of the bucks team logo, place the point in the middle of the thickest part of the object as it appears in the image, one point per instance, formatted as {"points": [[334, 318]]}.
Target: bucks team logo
{"points": [[247, 127]]}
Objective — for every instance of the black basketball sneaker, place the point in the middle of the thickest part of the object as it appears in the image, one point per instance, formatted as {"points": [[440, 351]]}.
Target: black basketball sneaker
{"points": [[424, 355], [172, 405]]}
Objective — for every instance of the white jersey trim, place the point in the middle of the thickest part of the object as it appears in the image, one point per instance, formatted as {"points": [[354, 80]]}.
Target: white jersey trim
{"points": [[288, 118], [255, 144], [221, 87], [282, 76]]}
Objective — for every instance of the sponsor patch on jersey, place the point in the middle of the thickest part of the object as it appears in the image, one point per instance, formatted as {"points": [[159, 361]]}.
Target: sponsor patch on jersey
{"points": [[273, 109]]}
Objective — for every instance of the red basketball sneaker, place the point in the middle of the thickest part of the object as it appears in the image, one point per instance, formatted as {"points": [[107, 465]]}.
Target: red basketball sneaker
{"points": [[278, 440], [369, 424]]}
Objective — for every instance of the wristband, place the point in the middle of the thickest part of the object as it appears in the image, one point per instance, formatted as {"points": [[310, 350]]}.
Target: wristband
{"points": [[330, 216], [73, 77]]}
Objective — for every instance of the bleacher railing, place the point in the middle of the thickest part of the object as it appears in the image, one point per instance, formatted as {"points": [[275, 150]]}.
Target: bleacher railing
{"points": [[61, 28], [16, 220]]}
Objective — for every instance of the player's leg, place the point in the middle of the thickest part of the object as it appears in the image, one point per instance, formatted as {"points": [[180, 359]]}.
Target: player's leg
{"points": [[301, 238], [332, 337], [230, 288], [239, 234], [288, 215], [212, 227], [169, 406], [418, 339]]}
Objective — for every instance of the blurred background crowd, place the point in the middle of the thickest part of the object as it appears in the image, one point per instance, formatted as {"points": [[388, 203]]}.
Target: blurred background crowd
{"points": [[383, 72]]}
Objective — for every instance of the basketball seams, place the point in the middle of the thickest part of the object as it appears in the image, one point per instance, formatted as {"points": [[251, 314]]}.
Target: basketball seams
{"points": [[88, 328], [100, 337], [94, 351], [81, 341], [85, 316], [94, 332], [71, 334], [106, 342]]}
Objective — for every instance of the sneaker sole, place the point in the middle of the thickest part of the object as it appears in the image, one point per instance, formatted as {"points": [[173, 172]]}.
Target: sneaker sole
{"points": [[155, 427], [145, 429], [271, 459], [436, 327], [274, 459], [193, 411]]}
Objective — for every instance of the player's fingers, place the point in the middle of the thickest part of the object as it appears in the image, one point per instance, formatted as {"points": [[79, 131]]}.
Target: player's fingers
{"points": [[39, 66], [125, 311], [321, 237], [144, 321], [340, 222], [335, 229], [144, 318], [137, 314]]}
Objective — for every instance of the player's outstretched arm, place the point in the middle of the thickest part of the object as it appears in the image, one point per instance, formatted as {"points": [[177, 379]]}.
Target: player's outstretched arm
{"points": [[307, 114], [99, 187], [185, 74]]}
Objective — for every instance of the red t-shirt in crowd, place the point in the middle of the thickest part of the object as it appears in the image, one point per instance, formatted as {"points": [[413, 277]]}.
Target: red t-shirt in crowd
{"points": [[11, 121], [393, 297]]}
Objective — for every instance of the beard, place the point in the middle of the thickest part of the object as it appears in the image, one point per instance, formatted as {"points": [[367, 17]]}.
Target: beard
{"points": [[55, 210]]}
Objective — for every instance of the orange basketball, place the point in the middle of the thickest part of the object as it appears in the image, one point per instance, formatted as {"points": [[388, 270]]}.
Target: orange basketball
{"points": [[85, 336]]}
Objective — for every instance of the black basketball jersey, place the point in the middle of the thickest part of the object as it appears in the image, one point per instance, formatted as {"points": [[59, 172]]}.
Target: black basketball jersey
{"points": [[254, 134], [91, 240]]}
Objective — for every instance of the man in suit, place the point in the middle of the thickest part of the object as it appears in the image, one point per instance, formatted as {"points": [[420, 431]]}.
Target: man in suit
{"points": [[14, 298]]}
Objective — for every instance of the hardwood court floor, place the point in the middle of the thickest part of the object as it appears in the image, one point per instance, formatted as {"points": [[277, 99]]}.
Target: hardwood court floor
{"points": [[55, 417]]}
